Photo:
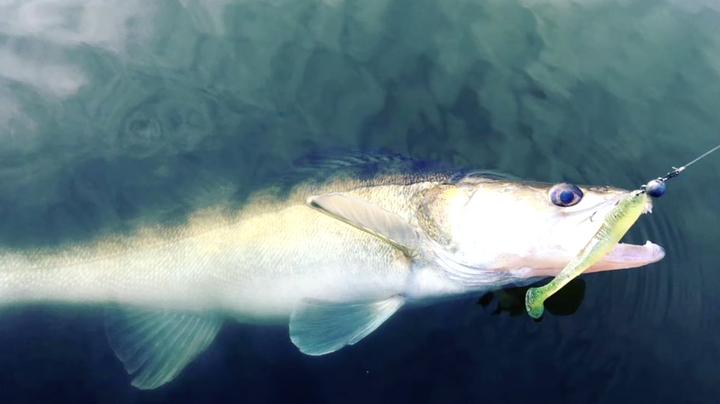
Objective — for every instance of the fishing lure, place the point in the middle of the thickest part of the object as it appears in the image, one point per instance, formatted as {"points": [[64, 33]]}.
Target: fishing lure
{"points": [[616, 223]]}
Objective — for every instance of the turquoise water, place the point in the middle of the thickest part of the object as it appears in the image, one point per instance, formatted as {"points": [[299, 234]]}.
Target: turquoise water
{"points": [[123, 113]]}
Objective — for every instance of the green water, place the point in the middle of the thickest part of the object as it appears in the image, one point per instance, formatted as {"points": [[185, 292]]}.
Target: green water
{"points": [[122, 113]]}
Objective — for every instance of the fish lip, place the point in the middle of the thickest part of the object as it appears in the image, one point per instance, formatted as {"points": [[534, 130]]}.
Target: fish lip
{"points": [[624, 256]]}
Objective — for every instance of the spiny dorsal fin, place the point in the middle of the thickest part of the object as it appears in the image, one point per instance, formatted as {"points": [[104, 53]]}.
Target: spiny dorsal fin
{"points": [[333, 159], [368, 217]]}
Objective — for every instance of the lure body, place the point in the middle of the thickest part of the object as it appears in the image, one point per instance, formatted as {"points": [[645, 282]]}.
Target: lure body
{"points": [[616, 223]]}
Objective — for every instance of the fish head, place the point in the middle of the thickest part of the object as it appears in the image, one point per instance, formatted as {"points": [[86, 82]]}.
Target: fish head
{"points": [[482, 223]]}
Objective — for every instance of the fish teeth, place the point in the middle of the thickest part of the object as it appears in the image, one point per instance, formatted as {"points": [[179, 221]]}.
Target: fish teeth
{"points": [[648, 207]]}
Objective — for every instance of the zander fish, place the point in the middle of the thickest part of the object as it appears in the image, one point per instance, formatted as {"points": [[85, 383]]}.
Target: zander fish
{"points": [[334, 253]]}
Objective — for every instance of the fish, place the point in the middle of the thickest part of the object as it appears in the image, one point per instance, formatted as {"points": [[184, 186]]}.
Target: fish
{"points": [[332, 250]]}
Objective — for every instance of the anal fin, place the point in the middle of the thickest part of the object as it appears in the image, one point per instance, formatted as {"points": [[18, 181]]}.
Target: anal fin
{"points": [[155, 346], [320, 327]]}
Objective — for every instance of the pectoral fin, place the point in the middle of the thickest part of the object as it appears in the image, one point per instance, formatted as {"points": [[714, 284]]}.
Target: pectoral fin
{"points": [[155, 346], [369, 217], [319, 327]]}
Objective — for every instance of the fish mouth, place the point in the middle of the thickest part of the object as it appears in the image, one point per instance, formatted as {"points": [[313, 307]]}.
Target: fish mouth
{"points": [[621, 256], [624, 256]]}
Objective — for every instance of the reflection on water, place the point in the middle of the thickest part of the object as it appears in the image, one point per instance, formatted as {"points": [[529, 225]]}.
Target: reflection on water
{"points": [[115, 114]]}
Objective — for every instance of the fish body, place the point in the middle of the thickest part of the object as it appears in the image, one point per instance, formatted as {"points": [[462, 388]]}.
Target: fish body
{"points": [[334, 252], [254, 262]]}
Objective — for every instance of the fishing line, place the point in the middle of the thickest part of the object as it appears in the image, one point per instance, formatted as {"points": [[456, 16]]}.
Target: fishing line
{"points": [[656, 188], [613, 227]]}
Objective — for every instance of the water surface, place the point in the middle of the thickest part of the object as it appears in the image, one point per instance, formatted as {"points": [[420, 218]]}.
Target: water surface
{"points": [[121, 113]]}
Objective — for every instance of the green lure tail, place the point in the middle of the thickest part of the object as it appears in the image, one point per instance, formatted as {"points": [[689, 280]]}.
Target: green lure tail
{"points": [[616, 223]]}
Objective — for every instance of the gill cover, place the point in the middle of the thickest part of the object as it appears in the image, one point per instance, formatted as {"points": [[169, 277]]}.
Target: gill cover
{"points": [[439, 210], [434, 209]]}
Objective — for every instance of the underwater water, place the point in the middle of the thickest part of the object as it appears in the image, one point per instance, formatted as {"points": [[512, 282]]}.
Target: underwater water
{"points": [[114, 114]]}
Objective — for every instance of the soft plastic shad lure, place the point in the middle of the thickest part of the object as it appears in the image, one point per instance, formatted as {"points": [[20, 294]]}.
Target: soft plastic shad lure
{"points": [[616, 223]]}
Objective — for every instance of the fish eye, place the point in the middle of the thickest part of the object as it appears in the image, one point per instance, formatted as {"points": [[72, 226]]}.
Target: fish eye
{"points": [[565, 194]]}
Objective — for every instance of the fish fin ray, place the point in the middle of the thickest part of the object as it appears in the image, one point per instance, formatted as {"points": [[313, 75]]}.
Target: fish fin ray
{"points": [[320, 327], [339, 157], [368, 217], [155, 346]]}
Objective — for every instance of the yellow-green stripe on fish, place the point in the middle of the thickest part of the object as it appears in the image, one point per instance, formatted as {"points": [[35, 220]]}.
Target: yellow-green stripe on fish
{"points": [[616, 223]]}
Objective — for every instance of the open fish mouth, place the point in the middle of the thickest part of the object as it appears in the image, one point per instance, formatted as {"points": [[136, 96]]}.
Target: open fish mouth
{"points": [[624, 256]]}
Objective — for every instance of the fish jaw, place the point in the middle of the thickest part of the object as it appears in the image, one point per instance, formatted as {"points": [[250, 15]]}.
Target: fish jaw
{"points": [[625, 256], [622, 256]]}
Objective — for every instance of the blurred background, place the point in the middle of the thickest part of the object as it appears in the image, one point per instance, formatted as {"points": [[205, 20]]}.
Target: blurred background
{"points": [[118, 113]]}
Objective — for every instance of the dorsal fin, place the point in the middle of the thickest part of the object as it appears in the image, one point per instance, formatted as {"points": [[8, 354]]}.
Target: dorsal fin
{"points": [[383, 166], [368, 217], [337, 158]]}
